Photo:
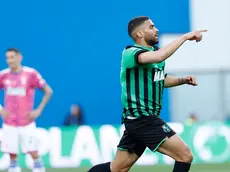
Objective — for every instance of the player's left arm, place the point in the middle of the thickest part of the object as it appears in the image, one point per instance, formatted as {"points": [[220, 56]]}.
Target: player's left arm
{"points": [[173, 81], [42, 85], [47, 95]]}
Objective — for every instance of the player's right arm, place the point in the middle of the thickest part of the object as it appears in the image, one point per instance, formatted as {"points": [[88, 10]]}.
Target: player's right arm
{"points": [[1, 79], [165, 52], [3, 111], [1, 108]]}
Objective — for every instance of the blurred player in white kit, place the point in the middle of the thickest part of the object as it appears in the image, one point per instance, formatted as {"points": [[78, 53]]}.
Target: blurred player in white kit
{"points": [[19, 127]]}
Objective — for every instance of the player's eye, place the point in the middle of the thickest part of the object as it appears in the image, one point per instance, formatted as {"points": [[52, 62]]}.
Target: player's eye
{"points": [[10, 57]]}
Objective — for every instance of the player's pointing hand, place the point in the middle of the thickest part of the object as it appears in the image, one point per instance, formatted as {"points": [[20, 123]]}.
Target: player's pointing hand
{"points": [[195, 35]]}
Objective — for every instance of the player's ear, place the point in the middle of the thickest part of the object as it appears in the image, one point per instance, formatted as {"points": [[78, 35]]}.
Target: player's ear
{"points": [[139, 34], [20, 57]]}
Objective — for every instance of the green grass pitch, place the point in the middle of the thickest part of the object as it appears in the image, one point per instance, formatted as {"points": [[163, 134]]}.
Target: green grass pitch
{"points": [[158, 168]]}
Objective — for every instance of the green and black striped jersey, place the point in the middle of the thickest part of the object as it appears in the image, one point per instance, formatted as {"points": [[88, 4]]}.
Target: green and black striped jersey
{"points": [[142, 84]]}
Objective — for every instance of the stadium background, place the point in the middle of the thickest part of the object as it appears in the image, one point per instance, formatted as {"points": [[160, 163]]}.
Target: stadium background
{"points": [[76, 46]]}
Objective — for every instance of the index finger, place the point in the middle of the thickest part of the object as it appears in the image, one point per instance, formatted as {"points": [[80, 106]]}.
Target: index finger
{"points": [[203, 30]]}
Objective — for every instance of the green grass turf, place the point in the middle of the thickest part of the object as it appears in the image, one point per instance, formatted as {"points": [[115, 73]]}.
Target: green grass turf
{"points": [[157, 168]]}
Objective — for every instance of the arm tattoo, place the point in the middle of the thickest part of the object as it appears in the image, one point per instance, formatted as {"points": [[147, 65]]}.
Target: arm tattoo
{"points": [[182, 80]]}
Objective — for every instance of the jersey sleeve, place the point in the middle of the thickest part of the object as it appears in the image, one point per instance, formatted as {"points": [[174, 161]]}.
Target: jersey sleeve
{"points": [[130, 57], [165, 70], [37, 80]]}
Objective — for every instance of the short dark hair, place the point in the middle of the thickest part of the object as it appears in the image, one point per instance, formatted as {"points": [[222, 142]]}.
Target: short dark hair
{"points": [[13, 50], [135, 22]]}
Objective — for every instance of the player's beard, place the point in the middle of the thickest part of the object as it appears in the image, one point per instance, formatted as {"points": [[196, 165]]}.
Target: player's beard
{"points": [[151, 41]]}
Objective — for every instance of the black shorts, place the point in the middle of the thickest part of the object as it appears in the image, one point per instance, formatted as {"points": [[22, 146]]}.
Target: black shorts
{"points": [[146, 131]]}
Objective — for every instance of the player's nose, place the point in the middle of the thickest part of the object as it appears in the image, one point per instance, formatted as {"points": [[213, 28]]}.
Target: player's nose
{"points": [[156, 33]]}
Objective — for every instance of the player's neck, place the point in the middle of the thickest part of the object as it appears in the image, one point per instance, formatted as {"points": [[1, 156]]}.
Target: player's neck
{"points": [[16, 69], [142, 43]]}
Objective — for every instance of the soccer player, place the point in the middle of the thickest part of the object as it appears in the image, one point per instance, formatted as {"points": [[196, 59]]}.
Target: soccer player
{"points": [[19, 83], [143, 80]]}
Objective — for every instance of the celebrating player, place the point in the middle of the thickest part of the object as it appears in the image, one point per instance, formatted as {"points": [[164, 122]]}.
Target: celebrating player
{"points": [[143, 80]]}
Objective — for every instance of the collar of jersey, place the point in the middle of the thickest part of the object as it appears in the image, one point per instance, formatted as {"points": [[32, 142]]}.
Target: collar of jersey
{"points": [[144, 47], [15, 73]]}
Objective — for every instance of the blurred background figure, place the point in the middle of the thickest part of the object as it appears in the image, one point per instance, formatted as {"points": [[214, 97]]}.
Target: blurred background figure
{"points": [[74, 117], [192, 119]]}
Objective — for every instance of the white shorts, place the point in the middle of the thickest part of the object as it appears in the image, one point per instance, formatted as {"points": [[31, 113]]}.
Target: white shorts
{"points": [[14, 136]]}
